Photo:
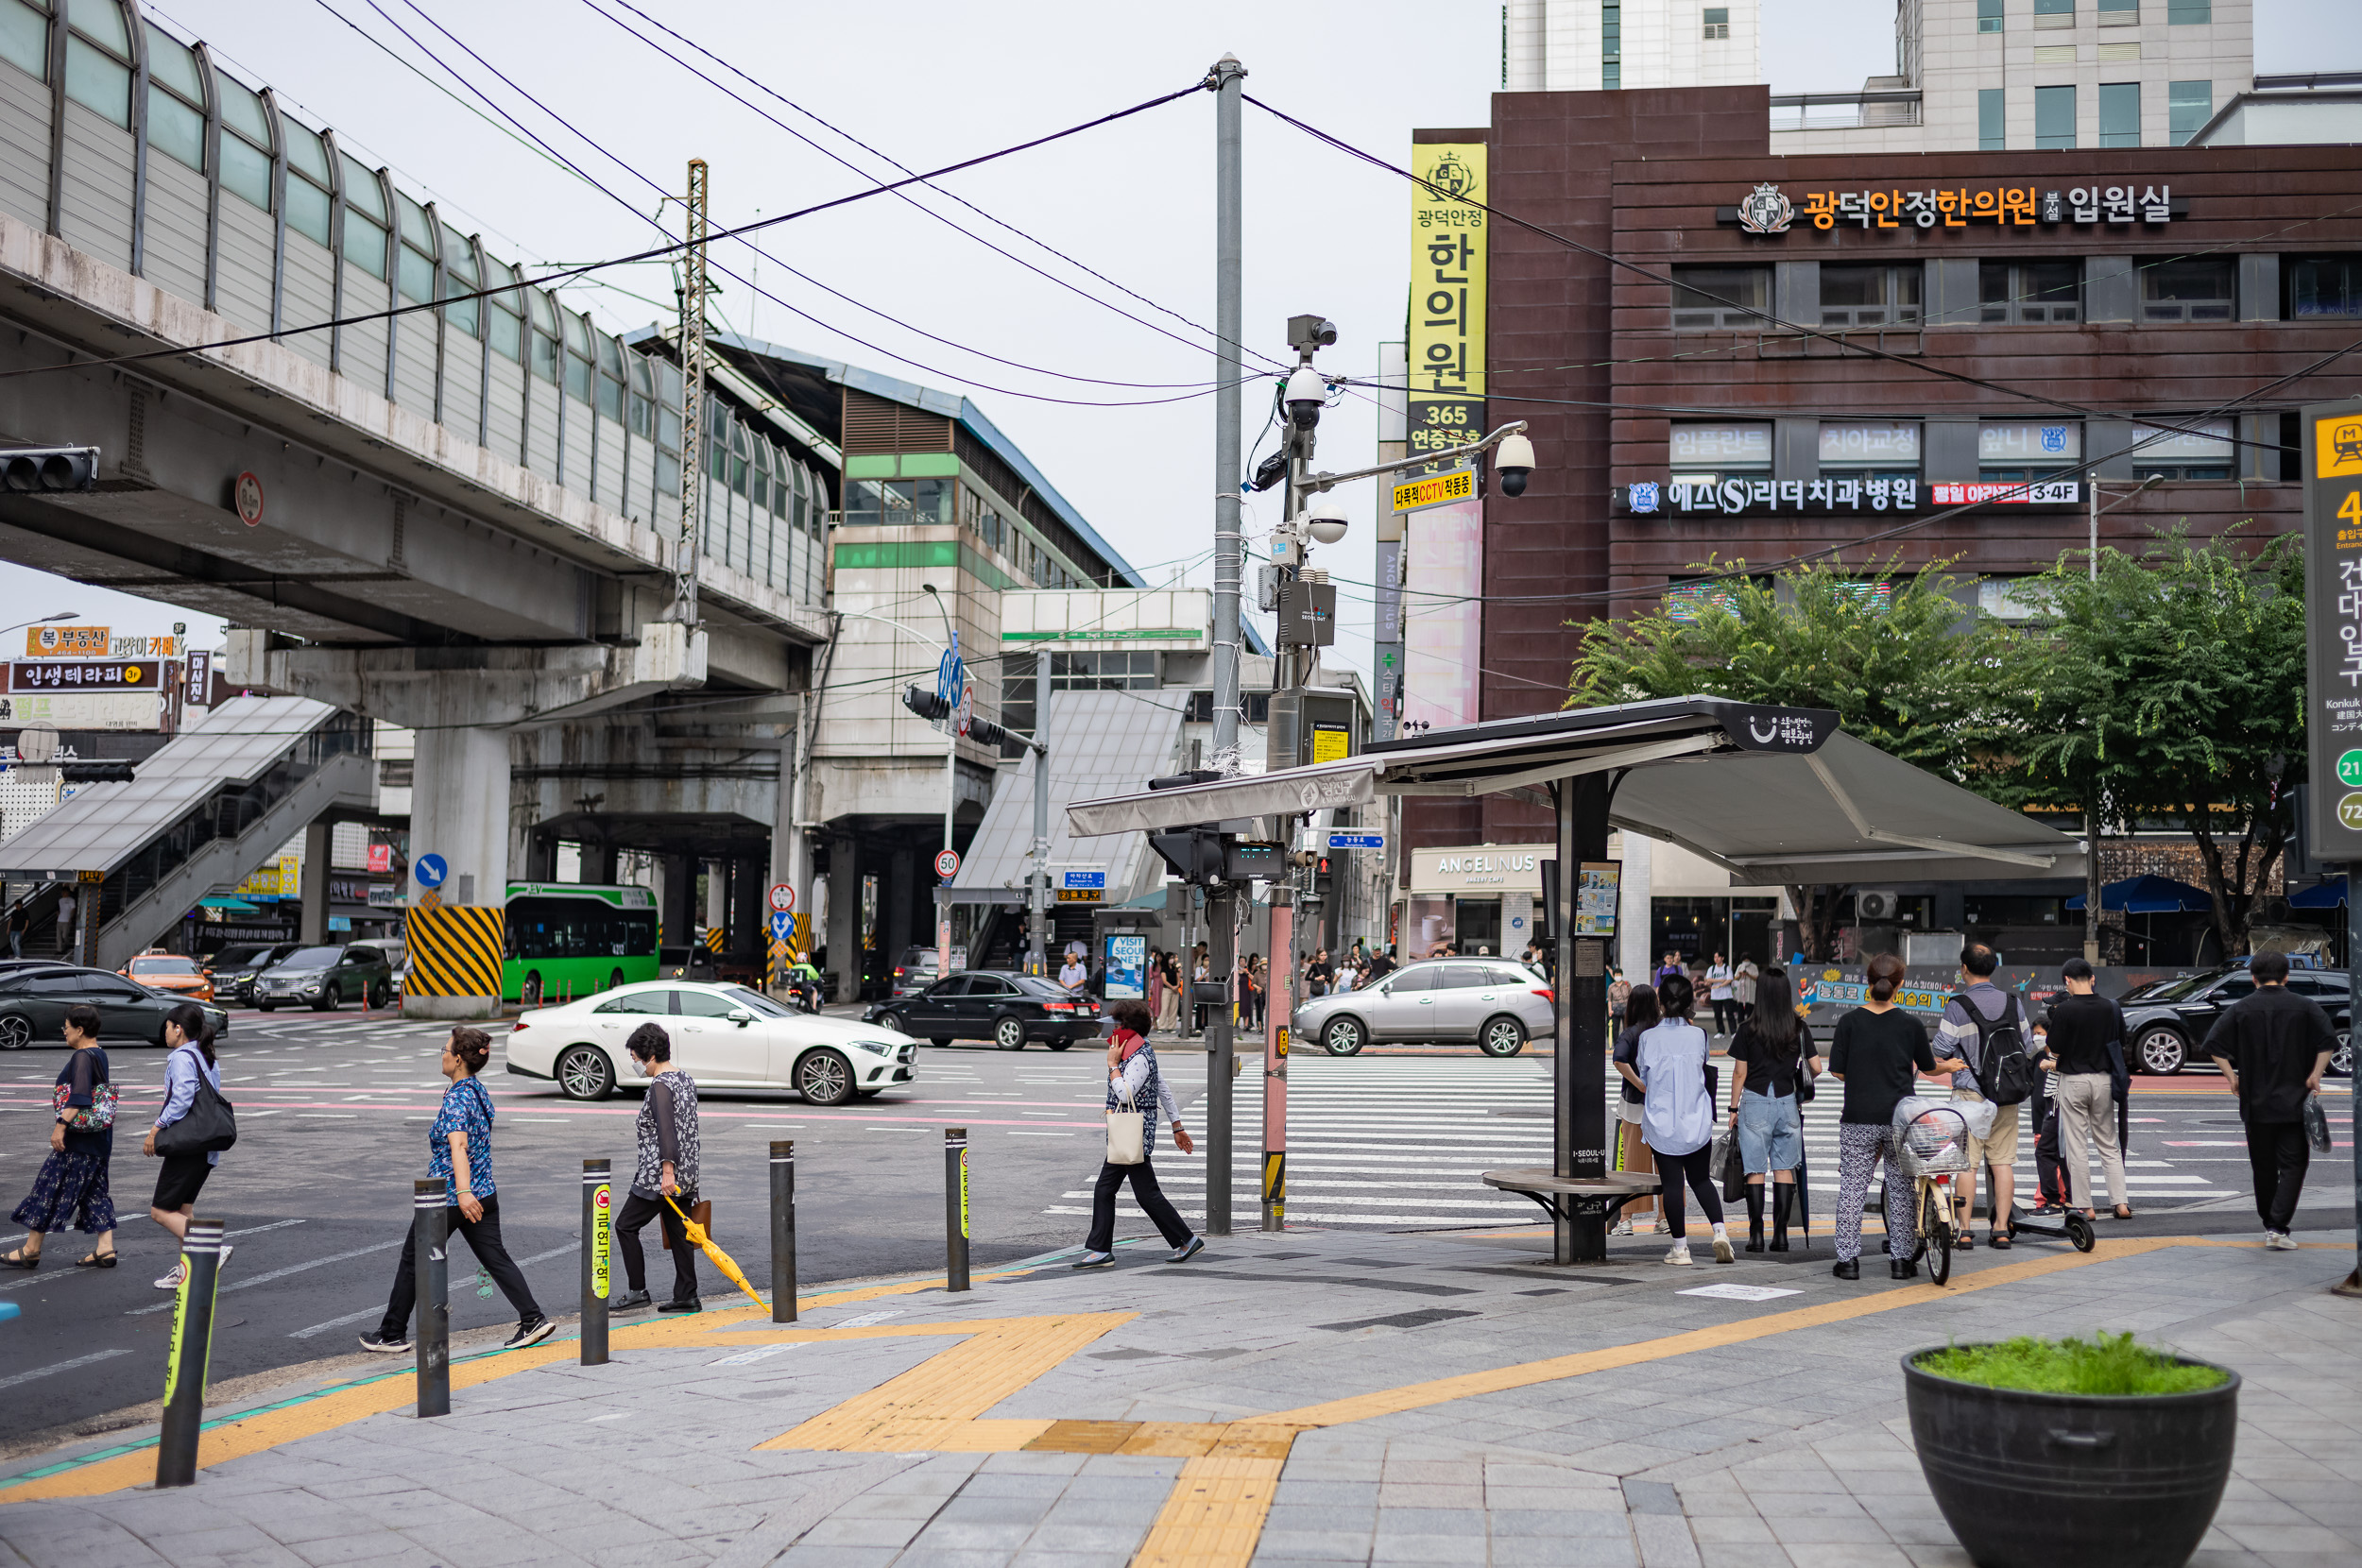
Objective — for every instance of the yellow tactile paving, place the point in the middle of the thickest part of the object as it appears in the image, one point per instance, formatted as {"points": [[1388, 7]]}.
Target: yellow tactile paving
{"points": [[1214, 1516]]}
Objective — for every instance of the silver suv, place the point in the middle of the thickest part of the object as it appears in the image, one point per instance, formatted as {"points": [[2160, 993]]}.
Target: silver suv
{"points": [[1493, 1002]]}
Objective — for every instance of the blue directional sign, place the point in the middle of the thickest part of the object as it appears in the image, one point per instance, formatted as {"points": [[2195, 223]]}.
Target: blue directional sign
{"points": [[430, 870], [782, 927], [1083, 879], [1348, 839]]}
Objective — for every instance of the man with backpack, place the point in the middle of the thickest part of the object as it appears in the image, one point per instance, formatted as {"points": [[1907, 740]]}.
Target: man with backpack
{"points": [[1985, 1027]]}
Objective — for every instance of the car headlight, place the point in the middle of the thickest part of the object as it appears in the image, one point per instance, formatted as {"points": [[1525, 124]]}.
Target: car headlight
{"points": [[878, 1045], [314, 986]]}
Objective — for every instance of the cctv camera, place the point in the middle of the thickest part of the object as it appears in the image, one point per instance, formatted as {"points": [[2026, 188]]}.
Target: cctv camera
{"points": [[1326, 521], [1306, 394], [1514, 461]]}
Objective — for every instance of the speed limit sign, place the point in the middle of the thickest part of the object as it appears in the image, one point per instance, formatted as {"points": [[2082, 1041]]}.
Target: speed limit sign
{"points": [[948, 864]]}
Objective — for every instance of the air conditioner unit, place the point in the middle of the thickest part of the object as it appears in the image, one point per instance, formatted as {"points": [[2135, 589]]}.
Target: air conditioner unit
{"points": [[1877, 906]]}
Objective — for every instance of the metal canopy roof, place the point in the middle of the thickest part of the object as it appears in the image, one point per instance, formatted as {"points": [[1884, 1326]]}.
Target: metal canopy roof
{"points": [[1771, 795]]}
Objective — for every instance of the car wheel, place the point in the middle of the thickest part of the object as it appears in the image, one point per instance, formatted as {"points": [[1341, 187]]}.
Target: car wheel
{"points": [[824, 1077], [614, 980], [264, 1007], [1058, 1044], [585, 1073], [895, 1022], [938, 1039], [1344, 1036], [2161, 1050], [1502, 1036], [529, 993], [16, 1032], [1009, 1035], [2341, 1059], [381, 993], [330, 1000]]}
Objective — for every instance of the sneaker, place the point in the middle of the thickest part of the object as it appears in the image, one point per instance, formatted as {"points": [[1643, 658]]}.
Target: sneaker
{"points": [[377, 1346], [2279, 1241], [172, 1280], [692, 1305], [1621, 1227], [1188, 1250], [630, 1301], [529, 1333], [1722, 1253], [1094, 1260], [1679, 1256]]}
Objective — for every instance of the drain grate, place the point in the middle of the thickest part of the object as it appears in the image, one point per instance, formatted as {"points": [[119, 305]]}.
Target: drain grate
{"points": [[1403, 1320]]}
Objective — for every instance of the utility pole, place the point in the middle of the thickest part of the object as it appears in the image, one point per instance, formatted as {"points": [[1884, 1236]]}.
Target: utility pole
{"points": [[1224, 82], [1040, 878], [692, 399]]}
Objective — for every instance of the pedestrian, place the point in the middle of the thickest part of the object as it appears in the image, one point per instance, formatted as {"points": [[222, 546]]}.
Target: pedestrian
{"points": [[2050, 1185], [189, 1041], [1201, 969], [1771, 1058], [69, 934], [2273, 1045], [1677, 1117], [18, 923], [2086, 1049], [1984, 1021], [1072, 974], [666, 1169], [1133, 1083], [1156, 983], [1318, 974], [459, 1150], [1381, 965], [1619, 993], [1346, 976], [1877, 1049], [1169, 1005], [1718, 978], [1669, 969], [71, 1188], [1743, 980], [1640, 1014]]}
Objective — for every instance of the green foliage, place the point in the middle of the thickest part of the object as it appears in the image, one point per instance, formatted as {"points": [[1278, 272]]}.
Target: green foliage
{"points": [[2104, 1364]]}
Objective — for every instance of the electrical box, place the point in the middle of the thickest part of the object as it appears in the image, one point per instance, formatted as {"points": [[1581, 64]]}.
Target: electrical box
{"points": [[1308, 615]]}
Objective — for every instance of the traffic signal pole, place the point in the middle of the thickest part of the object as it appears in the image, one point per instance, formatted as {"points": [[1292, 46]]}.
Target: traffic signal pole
{"points": [[1220, 1055]]}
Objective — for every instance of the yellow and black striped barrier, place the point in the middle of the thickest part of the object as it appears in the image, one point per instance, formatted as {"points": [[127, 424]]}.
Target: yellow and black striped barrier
{"points": [[455, 950]]}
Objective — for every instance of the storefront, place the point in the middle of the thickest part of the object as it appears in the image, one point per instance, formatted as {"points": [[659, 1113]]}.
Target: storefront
{"points": [[1475, 898]]}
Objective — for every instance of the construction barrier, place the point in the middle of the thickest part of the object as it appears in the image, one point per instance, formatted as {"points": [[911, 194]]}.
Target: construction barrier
{"points": [[455, 950]]}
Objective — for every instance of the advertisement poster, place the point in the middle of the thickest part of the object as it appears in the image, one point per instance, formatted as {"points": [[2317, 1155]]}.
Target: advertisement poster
{"points": [[1127, 968], [1443, 620], [1595, 898]]}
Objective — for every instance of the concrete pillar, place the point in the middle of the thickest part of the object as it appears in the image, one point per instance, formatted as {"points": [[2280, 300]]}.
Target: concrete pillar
{"points": [[679, 901], [791, 848], [717, 902], [312, 924], [844, 934], [906, 924], [750, 934], [1635, 924], [458, 814], [598, 863]]}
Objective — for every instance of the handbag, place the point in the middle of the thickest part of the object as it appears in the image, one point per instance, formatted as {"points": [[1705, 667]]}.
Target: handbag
{"points": [[96, 1117], [2316, 1124], [701, 1211], [1127, 1135], [1729, 1168], [210, 1126]]}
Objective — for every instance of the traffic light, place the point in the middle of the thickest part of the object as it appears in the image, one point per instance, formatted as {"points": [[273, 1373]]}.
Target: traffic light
{"points": [[927, 705], [96, 771], [1202, 856], [25, 469]]}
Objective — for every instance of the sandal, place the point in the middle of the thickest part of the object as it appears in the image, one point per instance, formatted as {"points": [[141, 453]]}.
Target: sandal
{"points": [[17, 1260], [97, 1260], [2124, 1211]]}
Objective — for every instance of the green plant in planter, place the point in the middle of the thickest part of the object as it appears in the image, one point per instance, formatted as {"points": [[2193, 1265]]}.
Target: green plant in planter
{"points": [[2106, 1365]]}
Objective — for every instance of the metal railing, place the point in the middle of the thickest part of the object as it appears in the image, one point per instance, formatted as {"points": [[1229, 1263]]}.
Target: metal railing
{"points": [[1844, 110]]}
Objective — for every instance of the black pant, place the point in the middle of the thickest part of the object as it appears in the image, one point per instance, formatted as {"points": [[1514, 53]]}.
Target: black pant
{"points": [[1145, 1192], [491, 1255], [1726, 1013], [1697, 1168], [2050, 1181], [2277, 1155], [638, 1211]]}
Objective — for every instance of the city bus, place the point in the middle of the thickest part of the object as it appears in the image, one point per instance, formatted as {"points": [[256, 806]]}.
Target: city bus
{"points": [[567, 940]]}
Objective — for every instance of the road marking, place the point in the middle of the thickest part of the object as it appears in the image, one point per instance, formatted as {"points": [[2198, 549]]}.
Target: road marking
{"points": [[339, 1322], [62, 1366], [280, 1274]]}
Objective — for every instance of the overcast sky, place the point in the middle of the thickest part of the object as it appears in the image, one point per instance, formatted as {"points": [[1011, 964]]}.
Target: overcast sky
{"points": [[1113, 410]]}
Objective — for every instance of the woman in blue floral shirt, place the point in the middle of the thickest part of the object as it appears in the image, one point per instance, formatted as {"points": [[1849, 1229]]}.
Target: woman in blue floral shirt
{"points": [[459, 1150]]}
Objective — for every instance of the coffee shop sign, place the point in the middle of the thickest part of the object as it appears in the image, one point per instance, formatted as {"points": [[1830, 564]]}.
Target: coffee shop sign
{"points": [[1766, 210], [1479, 865]]}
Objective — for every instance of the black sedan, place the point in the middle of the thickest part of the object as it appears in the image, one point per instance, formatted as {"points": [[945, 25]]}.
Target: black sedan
{"points": [[2166, 1020], [33, 1002], [999, 1005], [236, 967]]}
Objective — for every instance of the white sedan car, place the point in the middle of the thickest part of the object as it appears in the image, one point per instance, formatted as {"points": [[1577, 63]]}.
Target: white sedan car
{"points": [[724, 1036]]}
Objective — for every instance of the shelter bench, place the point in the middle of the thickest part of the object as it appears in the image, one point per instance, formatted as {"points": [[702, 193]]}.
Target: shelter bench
{"points": [[1565, 1197]]}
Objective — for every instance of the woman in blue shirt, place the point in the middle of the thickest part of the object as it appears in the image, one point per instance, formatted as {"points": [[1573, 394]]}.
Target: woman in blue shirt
{"points": [[189, 1035], [1677, 1115], [459, 1150], [72, 1180]]}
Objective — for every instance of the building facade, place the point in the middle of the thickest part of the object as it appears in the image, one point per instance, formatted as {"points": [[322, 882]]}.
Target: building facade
{"points": [[1590, 45]]}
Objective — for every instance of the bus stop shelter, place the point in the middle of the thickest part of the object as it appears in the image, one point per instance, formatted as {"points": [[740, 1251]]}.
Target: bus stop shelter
{"points": [[1771, 795]]}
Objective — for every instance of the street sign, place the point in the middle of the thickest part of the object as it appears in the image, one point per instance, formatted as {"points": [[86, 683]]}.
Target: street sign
{"points": [[783, 926], [948, 864], [430, 870], [1435, 490], [2332, 620], [782, 898], [1077, 880], [1354, 838]]}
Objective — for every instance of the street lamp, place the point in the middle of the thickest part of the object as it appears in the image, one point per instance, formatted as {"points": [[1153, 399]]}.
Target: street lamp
{"points": [[950, 781], [43, 621]]}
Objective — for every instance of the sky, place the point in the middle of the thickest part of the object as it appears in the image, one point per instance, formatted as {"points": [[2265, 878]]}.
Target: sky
{"points": [[1105, 390]]}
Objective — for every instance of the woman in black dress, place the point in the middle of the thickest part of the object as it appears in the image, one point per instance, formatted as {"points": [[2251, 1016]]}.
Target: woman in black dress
{"points": [[72, 1186]]}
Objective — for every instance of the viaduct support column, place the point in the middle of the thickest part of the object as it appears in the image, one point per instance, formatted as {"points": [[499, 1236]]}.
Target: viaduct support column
{"points": [[458, 815]]}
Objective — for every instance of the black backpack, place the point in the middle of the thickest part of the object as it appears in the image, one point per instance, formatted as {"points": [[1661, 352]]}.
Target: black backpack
{"points": [[2005, 1074]]}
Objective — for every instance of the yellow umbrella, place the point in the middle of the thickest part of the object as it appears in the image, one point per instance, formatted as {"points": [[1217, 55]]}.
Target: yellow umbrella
{"points": [[722, 1260]]}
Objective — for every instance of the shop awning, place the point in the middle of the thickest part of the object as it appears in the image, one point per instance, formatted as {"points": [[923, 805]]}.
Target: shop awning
{"points": [[2326, 895], [1771, 795], [229, 906], [2148, 894]]}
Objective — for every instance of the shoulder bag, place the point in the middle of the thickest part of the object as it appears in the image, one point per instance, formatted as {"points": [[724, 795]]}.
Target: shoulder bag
{"points": [[1126, 1134], [209, 1127]]}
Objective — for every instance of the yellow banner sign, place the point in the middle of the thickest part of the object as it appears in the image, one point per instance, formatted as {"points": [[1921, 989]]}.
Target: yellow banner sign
{"points": [[67, 643], [1447, 295], [1082, 895], [1435, 490]]}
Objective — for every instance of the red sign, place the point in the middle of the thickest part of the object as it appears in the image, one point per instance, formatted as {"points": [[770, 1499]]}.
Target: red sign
{"points": [[948, 864], [247, 494], [380, 857], [782, 897]]}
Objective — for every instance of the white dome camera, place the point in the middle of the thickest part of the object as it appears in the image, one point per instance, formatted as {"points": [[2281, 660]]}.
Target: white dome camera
{"points": [[1326, 521], [1306, 396]]}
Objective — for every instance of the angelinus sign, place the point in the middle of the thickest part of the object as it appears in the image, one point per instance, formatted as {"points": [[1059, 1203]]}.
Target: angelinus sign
{"points": [[2332, 624]]}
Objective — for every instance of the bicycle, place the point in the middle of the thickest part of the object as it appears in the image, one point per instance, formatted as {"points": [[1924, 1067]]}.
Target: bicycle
{"points": [[1931, 1148]]}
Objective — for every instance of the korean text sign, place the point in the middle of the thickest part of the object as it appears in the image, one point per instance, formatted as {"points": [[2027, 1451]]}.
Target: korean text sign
{"points": [[2332, 624], [1447, 295]]}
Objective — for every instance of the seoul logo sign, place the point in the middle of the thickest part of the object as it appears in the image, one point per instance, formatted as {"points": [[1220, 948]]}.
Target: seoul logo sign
{"points": [[1766, 212]]}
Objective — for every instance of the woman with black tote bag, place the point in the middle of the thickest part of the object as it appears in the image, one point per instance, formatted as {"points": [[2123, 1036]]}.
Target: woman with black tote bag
{"points": [[192, 1130]]}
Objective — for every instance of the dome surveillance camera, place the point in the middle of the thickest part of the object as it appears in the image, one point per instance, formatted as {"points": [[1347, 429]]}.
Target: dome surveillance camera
{"points": [[1326, 521], [1515, 462], [1306, 394]]}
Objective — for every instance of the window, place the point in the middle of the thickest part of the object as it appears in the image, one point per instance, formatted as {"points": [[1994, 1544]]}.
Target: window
{"points": [[2112, 54], [98, 60], [307, 181], [415, 266], [176, 99], [245, 146], [1704, 453], [1718, 20], [611, 379], [1992, 119], [578, 362], [2016, 450], [2053, 14], [642, 399], [2054, 118], [508, 311], [1989, 16], [1868, 295], [2054, 54], [1421, 977], [2029, 291], [365, 219], [667, 426], [2194, 449], [2189, 12], [2192, 288], [2119, 14], [545, 340], [1710, 296], [459, 277], [25, 39], [1877, 449], [1611, 44], [2119, 115], [638, 1002], [2324, 286], [2188, 106], [2011, 599]]}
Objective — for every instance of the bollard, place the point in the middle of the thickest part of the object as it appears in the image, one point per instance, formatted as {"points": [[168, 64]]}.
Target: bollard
{"points": [[955, 1206], [190, 1355], [783, 1230], [430, 1230], [598, 1236]]}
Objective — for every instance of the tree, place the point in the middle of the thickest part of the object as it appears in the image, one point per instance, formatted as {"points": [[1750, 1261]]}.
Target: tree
{"points": [[1904, 663], [2170, 688]]}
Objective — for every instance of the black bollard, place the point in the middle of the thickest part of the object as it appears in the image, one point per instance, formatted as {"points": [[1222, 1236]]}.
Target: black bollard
{"points": [[430, 1230], [598, 1236], [783, 1230], [955, 1206], [190, 1355]]}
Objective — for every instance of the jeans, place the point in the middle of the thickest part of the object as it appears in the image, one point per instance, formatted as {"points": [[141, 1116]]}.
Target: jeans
{"points": [[1770, 1132], [638, 1211], [1145, 1192], [491, 1255], [1697, 1168], [2277, 1155], [2087, 1112]]}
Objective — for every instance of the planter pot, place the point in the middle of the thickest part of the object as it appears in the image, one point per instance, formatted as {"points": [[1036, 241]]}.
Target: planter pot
{"points": [[2031, 1480]]}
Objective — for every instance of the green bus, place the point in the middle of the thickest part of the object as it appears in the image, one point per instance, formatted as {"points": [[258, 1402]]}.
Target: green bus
{"points": [[567, 940]]}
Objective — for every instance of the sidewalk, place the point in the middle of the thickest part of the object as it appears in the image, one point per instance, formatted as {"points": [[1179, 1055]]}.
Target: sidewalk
{"points": [[1302, 1398]]}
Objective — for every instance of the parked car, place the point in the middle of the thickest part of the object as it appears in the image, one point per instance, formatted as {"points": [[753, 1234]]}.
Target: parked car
{"points": [[1495, 1003], [916, 969], [999, 1005], [33, 999], [2166, 1020], [324, 979], [724, 1036], [236, 968], [175, 972]]}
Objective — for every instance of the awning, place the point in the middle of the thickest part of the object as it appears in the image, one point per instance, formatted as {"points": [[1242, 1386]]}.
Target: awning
{"points": [[1771, 795], [2148, 894], [2325, 895], [229, 906]]}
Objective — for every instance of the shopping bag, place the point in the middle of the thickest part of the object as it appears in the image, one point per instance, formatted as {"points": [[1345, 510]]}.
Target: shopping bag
{"points": [[1729, 1166], [1126, 1136], [701, 1211], [2316, 1124]]}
